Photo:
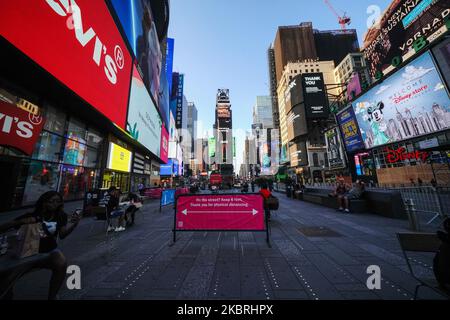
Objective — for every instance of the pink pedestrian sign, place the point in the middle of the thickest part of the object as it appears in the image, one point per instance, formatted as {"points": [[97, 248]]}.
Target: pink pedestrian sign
{"points": [[237, 212]]}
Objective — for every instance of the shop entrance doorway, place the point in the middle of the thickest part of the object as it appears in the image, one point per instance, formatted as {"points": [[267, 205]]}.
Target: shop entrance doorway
{"points": [[8, 174]]}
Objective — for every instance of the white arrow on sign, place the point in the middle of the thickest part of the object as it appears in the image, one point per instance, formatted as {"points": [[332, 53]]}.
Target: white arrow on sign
{"points": [[254, 212]]}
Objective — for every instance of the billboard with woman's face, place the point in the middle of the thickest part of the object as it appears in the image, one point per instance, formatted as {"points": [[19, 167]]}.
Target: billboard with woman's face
{"points": [[412, 102], [137, 21]]}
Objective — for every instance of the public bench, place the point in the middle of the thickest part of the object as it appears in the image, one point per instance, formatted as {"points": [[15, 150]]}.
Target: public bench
{"points": [[381, 202]]}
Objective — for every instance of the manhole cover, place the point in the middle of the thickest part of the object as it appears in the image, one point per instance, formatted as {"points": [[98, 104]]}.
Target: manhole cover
{"points": [[319, 232]]}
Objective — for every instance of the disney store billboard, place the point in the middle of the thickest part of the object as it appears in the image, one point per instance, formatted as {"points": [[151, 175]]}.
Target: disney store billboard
{"points": [[412, 102]]}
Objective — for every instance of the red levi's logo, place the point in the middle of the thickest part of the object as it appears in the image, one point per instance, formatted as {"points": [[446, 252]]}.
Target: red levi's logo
{"points": [[77, 42], [400, 154], [18, 128]]}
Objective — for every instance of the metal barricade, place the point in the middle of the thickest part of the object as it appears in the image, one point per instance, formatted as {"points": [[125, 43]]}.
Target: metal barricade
{"points": [[426, 201]]}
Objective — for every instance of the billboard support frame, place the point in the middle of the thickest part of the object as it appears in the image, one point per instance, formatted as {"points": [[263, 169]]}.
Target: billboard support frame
{"points": [[266, 220]]}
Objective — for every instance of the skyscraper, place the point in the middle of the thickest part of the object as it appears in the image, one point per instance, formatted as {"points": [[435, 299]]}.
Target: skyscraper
{"points": [[223, 128]]}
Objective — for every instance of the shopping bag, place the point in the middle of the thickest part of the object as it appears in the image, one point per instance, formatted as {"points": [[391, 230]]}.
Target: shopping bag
{"points": [[28, 240]]}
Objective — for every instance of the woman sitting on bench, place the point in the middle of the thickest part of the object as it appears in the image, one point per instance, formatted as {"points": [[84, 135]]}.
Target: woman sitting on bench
{"points": [[354, 194]]}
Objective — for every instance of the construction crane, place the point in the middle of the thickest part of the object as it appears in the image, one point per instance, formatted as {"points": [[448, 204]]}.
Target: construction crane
{"points": [[343, 20]]}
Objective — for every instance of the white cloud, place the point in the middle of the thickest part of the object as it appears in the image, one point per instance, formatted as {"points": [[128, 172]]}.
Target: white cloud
{"points": [[382, 89], [439, 86], [412, 73], [361, 107]]}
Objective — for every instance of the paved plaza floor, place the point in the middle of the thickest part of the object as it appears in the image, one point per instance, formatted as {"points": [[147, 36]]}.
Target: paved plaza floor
{"points": [[317, 254]]}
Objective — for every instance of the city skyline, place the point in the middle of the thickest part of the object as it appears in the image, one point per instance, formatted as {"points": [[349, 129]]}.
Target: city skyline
{"points": [[233, 53]]}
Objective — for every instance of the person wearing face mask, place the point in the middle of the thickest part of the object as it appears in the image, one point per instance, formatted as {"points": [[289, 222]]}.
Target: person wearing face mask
{"points": [[49, 212]]}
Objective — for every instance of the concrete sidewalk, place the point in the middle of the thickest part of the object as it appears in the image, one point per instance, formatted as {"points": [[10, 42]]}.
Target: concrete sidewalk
{"points": [[317, 253]]}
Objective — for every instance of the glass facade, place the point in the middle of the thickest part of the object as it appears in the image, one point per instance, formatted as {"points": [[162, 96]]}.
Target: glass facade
{"points": [[66, 158]]}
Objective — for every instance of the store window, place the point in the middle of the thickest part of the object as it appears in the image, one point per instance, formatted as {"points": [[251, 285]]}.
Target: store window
{"points": [[48, 147], [94, 138], [77, 131], [55, 120], [92, 158], [75, 181], [42, 177]]}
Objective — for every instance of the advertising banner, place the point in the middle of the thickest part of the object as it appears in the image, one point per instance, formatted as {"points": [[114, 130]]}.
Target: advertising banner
{"points": [[169, 61], [168, 197], [179, 99], [166, 169], [164, 99], [144, 122], [74, 152], [164, 144], [119, 158], [212, 147], [353, 87], [137, 20], [399, 29], [220, 212], [299, 154], [296, 122], [441, 53], [410, 103], [19, 128], [336, 156], [83, 48], [350, 131], [315, 97]]}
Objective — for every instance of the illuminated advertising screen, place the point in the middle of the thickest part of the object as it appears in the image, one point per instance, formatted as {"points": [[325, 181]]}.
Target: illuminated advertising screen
{"points": [[169, 61], [353, 87], [164, 144], [172, 149], [412, 102], [336, 157], [349, 129], [299, 154], [166, 169], [179, 103], [144, 122], [212, 147], [315, 97], [441, 53], [399, 29], [119, 158], [89, 57], [164, 99], [296, 122], [137, 20]]}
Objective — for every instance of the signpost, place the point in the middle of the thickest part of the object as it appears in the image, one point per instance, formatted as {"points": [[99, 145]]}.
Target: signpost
{"points": [[220, 212]]}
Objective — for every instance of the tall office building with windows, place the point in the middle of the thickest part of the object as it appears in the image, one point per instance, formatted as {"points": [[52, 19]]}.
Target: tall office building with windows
{"points": [[223, 129]]}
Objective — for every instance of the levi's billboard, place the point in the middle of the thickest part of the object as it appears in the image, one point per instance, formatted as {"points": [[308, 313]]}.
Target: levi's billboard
{"points": [[78, 43], [220, 212], [19, 128]]}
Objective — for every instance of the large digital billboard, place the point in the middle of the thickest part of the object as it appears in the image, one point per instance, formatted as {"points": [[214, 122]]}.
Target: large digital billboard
{"points": [[144, 122], [315, 96], [441, 53], [137, 20], [399, 29], [212, 147], [83, 48], [412, 102], [296, 122], [164, 100], [169, 61], [167, 169], [350, 131], [164, 144]]}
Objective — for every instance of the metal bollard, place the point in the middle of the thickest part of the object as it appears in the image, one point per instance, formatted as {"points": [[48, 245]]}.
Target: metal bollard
{"points": [[412, 214]]}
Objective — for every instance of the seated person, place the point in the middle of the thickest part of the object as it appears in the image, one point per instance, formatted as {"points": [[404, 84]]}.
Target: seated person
{"points": [[355, 193], [339, 190], [135, 204]]}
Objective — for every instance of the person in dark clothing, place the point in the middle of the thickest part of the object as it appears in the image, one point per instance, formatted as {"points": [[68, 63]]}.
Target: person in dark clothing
{"points": [[112, 209], [253, 186], [441, 262], [49, 212], [135, 204]]}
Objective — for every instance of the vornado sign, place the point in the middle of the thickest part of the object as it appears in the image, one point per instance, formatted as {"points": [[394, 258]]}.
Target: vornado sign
{"points": [[79, 44], [71, 10]]}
